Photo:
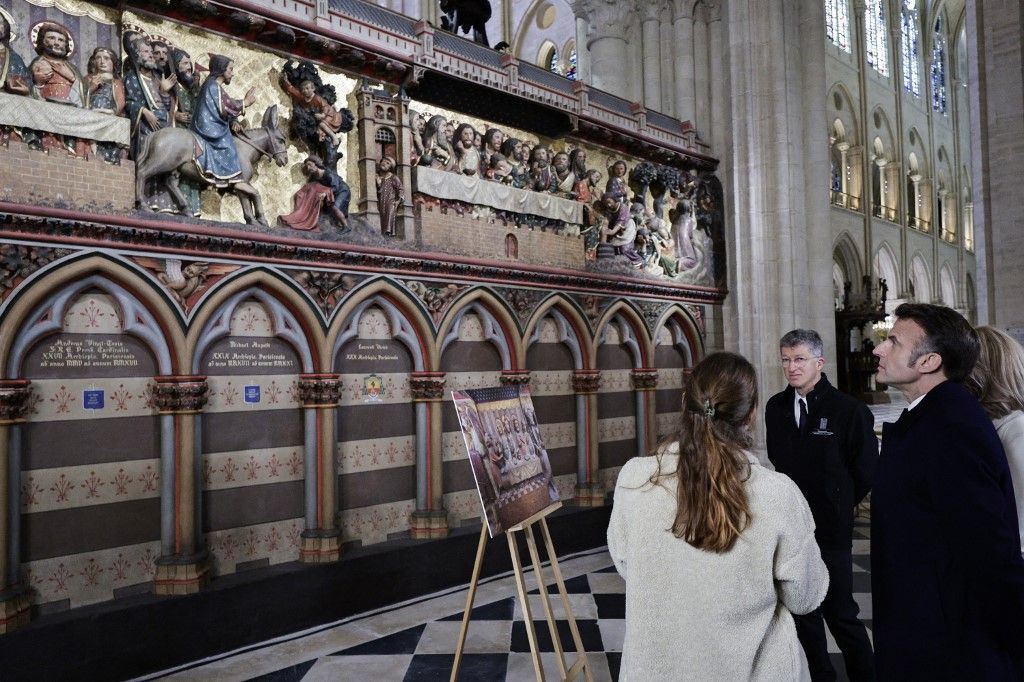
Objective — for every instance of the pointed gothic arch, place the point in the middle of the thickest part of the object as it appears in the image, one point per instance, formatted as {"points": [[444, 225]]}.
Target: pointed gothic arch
{"points": [[500, 326]]}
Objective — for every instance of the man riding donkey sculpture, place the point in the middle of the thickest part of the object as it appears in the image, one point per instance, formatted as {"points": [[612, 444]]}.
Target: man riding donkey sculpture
{"points": [[208, 152]]}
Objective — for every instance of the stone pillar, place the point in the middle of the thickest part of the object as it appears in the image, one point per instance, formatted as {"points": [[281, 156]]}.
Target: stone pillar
{"points": [[652, 54], [184, 565], [701, 93], [718, 86], [585, 383], [682, 13], [844, 173], [321, 538], [914, 209], [608, 23], [14, 595], [995, 59], [779, 241], [430, 520], [645, 381], [854, 179]]}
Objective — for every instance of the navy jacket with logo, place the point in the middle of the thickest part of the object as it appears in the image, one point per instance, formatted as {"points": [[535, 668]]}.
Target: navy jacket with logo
{"points": [[832, 462]]}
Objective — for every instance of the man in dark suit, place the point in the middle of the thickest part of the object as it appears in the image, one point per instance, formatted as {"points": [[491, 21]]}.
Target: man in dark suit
{"points": [[825, 441], [947, 575]]}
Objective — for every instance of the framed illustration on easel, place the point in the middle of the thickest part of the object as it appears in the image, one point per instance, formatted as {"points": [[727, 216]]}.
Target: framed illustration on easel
{"points": [[517, 493]]}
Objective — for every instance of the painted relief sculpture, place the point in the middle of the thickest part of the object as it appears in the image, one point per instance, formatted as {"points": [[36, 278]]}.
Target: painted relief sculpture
{"points": [[389, 194], [315, 120], [173, 149], [56, 79], [106, 94], [14, 79], [147, 95], [324, 189]]}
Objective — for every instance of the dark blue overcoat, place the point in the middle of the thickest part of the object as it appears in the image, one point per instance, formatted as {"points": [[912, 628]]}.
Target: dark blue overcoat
{"points": [[947, 577]]}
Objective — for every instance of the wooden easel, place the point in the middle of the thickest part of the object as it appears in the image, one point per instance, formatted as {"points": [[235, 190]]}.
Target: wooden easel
{"points": [[526, 527]]}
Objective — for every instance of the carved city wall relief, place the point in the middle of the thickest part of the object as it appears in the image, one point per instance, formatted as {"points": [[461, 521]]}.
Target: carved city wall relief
{"points": [[90, 476]]}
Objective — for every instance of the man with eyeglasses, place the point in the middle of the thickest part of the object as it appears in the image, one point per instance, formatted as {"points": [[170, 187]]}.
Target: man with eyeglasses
{"points": [[825, 441], [947, 577]]}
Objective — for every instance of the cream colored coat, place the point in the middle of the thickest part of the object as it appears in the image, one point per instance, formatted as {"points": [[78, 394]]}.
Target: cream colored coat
{"points": [[697, 615], [1011, 434]]}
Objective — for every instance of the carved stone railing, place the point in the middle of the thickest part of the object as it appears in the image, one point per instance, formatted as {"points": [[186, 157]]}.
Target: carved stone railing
{"points": [[395, 47]]}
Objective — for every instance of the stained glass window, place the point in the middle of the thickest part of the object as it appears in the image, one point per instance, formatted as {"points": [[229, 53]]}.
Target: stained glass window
{"points": [[570, 71], [837, 23], [553, 64], [939, 68], [877, 46], [911, 48]]}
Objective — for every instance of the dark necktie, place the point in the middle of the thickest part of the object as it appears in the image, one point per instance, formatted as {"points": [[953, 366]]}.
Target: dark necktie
{"points": [[803, 416]]}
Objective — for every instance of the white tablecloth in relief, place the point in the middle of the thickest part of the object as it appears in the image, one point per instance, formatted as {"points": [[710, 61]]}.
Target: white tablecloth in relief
{"points": [[456, 187], [62, 119]]}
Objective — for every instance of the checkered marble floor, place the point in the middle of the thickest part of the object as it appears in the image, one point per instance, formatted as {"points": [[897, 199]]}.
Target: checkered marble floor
{"points": [[415, 640]]}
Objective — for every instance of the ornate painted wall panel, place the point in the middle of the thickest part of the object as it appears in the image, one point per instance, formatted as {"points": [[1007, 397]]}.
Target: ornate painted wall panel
{"points": [[211, 368]]}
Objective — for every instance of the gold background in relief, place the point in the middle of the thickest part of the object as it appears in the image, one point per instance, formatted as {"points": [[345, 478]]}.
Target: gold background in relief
{"points": [[262, 69]]}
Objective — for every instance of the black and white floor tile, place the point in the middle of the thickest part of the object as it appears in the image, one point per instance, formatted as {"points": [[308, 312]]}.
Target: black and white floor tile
{"points": [[415, 641]]}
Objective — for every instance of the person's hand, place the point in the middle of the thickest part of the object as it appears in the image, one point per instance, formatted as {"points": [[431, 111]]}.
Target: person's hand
{"points": [[250, 96], [183, 117], [151, 120], [167, 84], [319, 117]]}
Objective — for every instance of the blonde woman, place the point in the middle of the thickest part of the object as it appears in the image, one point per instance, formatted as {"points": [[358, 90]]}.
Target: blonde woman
{"points": [[997, 381], [717, 552]]}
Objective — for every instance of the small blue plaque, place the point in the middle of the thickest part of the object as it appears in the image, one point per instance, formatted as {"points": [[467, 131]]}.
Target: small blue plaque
{"points": [[92, 399], [252, 394]]}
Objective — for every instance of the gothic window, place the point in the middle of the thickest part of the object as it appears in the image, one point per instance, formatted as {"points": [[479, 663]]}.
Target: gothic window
{"points": [[911, 48], [385, 140], [939, 68], [551, 62], [837, 23], [570, 67], [877, 46]]}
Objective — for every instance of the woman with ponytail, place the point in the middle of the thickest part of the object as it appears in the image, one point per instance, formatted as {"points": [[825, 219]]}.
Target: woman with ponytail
{"points": [[716, 551]]}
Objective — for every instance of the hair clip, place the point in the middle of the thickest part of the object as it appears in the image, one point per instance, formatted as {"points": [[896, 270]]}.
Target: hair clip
{"points": [[709, 409]]}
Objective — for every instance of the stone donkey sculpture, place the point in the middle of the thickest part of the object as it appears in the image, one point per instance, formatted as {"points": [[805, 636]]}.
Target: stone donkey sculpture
{"points": [[170, 152]]}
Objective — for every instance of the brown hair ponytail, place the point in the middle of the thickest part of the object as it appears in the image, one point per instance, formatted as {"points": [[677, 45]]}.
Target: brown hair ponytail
{"points": [[712, 507]]}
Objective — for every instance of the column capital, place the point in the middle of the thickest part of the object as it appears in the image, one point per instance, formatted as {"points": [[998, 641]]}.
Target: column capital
{"points": [[644, 378], [319, 390], [586, 381], [427, 386], [682, 9], [181, 394], [14, 395], [515, 377], [713, 10], [606, 18], [652, 9]]}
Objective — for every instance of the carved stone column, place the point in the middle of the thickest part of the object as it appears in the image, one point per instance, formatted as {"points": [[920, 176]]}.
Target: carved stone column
{"points": [[14, 595], [715, 130], [589, 492], [645, 381], [183, 566], [430, 520], [682, 13], [608, 22], [321, 539], [652, 54]]}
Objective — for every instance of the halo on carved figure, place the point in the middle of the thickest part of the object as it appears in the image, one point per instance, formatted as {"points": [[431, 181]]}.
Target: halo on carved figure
{"points": [[48, 25], [12, 25]]}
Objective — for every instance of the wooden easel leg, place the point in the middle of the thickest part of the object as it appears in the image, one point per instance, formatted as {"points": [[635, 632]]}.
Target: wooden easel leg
{"points": [[531, 634], [531, 543], [581, 661], [477, 565]]}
